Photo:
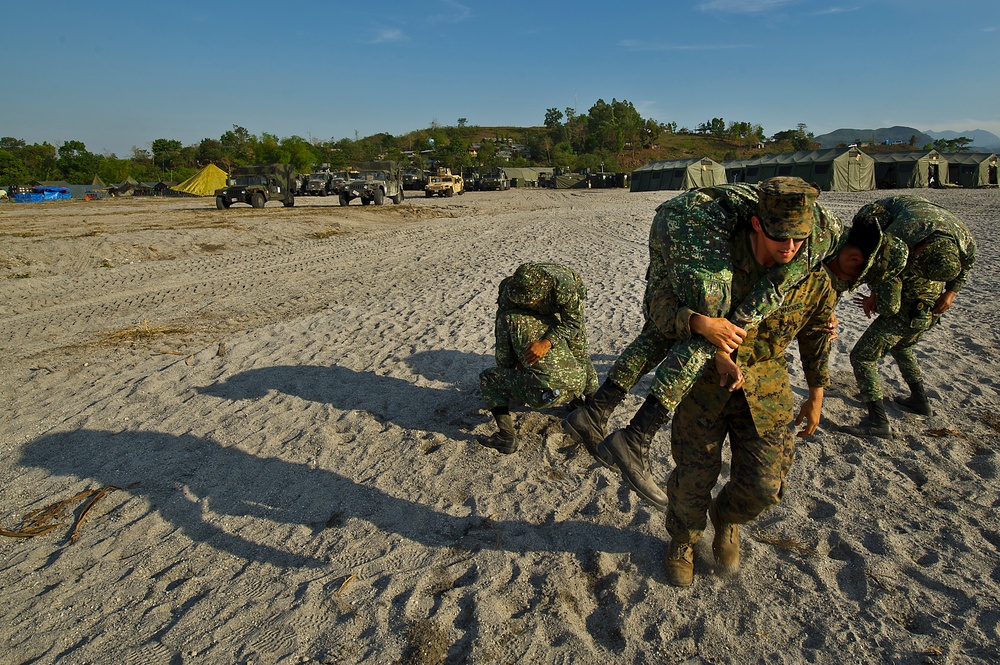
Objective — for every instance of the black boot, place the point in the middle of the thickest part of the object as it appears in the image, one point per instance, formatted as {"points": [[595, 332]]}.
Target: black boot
{"points": [[630, 449], [504, 441], [876, 424], [587, 424], [917, 401]]}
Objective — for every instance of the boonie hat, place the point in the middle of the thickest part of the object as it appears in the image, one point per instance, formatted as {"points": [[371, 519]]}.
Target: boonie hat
{"points": [[785, 207], [886, 262]]}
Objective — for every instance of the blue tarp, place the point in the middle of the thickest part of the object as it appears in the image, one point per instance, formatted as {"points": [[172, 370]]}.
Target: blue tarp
{"points": [[38, 194]]}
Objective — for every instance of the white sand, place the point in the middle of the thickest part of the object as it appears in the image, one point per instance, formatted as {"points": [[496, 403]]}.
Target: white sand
{"points": [[291, 425]]}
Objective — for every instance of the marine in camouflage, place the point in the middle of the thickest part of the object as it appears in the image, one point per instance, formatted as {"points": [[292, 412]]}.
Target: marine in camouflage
{"points": [[942, 252], [756, 417], [690, 270]]}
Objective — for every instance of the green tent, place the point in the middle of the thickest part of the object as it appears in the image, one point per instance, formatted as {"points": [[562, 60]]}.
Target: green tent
{"points": [[912, 168], [972, 169], [835, 169], [678, 174], [204, 182]]}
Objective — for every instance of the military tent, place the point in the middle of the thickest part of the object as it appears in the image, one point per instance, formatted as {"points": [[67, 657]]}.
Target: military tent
{"points": [[525, 176], [98, 183], [835, 169], [972, 169], [679, 174], [912, 168], [204, 182]]}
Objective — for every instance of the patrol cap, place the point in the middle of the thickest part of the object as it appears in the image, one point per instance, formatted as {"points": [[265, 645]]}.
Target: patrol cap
{"points": [[528, 285], [886, 262], [785, 207]]}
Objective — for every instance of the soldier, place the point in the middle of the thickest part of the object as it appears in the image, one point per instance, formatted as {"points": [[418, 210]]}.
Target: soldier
{"points": [[941, 252], [755, 417], [687, 291], [542, 353]]}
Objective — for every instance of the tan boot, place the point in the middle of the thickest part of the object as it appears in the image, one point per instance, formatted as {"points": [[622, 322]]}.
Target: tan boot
{"points": [[726, 544], [680, 564]]}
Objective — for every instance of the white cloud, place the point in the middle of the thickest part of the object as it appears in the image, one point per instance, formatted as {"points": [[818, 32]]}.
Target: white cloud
{"points": [[835, 10], [451, 12], [742, 6], [388, 36]]}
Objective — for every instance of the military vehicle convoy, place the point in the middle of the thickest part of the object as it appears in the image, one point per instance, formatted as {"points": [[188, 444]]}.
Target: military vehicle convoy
{"points": [[319, 183], [256, 185], [444, 183], [373, 183]]}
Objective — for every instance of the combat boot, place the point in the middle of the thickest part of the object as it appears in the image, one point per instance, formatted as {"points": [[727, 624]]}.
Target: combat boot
{"points": [[726, 544], [630, 449], [505, 440], [587, 424], [876, 424], [917, 401], [680, 563]]}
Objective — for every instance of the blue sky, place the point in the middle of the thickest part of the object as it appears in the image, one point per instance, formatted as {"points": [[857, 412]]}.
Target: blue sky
{"points": [[116, 75]]}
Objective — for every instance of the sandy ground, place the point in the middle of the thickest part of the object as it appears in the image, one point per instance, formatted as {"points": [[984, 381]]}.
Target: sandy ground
{"points": [[285, 405]]}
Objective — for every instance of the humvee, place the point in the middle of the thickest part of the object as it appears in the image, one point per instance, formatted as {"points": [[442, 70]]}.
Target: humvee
{"points": [[319, 183], [444, 183], [373, 183], [258, 184], [495, 180]]}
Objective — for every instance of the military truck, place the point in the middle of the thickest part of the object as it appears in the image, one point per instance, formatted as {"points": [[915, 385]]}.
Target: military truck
{"points": [[373, 183], [444, 183], [319, 183], [258, 184], [495, 180]]}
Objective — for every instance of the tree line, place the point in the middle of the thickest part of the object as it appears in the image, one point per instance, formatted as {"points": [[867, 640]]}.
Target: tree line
{"points": [[601, 139]]}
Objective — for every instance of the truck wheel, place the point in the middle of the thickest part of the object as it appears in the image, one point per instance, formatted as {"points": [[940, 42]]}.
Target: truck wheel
{"points": [[428, 194], [398, 198], [221, 203], [364, 201], [450, 192], [289, 200], [379, 197], [344, 200], [257, 200]]}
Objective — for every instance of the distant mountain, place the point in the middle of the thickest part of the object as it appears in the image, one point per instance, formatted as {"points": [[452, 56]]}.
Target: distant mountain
{"points": [[890, 134], [981, 139]]}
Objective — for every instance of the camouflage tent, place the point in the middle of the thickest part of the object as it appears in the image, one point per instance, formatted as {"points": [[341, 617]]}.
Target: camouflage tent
{"points": [[972, 169], [204, 182], [680, 174], [836, 169], [912, 168]]}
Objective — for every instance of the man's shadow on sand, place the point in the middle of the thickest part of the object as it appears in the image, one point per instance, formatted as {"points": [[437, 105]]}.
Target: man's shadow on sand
{"points": [[179, 475], [449, 411]]}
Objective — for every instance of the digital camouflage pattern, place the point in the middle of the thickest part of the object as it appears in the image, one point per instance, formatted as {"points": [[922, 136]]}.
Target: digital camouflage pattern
{"points": [[785, 208], [942, 252], [755, 418], [690, 270], [559, 369]]}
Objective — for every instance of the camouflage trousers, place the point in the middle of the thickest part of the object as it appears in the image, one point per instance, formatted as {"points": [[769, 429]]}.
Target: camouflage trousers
{"points": [[567, 366], [895, 335], [758, 467]]}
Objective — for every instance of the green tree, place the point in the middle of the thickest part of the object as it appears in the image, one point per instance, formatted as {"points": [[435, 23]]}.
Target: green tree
{"points": [[12, 170], [553, 118], [166, 153], [76, 164]]}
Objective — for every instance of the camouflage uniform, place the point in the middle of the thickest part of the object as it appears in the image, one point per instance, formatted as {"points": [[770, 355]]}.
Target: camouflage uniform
{"points": [[690, 270], [942, 252], [755, 418], [559, 369], [540, 301]]}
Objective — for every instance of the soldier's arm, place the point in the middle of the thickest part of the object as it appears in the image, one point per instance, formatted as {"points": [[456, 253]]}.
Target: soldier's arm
{"points": [[814, 351], [569, 303]]}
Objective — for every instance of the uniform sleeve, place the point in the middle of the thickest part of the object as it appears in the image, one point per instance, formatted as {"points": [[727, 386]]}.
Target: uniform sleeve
{"points": [[505, 355], [814, 342], [968, 260], [569, 299], [888, 296]]}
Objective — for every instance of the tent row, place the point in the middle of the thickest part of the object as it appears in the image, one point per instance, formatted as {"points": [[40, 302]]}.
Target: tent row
{"points": [[834, 169]]}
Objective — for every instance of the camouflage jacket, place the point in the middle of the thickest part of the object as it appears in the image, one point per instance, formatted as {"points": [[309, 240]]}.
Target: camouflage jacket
{"points": [[565, 294], [915, 220], [804, 312]]}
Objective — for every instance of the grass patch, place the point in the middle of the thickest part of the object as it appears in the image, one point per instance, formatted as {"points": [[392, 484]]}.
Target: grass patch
{"points": [[143, 333]]}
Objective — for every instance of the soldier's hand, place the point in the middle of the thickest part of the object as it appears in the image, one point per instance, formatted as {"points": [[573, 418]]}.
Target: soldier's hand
{"points": [[866, 303], [729, 372], [831, 326], [943, 303], [811, 412], [724, 334], [536, 351]]}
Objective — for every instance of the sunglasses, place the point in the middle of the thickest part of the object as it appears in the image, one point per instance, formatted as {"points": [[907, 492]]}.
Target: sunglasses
{"points": [[763, 229]]}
